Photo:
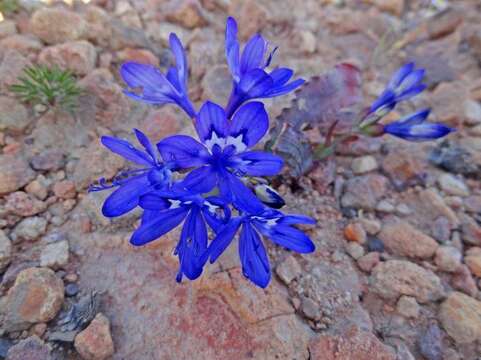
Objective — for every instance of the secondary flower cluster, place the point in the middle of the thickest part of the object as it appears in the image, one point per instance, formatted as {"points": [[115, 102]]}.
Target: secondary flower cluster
{"points": [[404, 84], [223, 188]]}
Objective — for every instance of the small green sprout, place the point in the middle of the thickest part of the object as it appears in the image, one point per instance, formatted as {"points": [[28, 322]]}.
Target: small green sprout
{"points": [[8, 6], [50, 87]]}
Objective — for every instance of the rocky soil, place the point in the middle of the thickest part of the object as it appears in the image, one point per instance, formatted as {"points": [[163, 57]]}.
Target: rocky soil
{"points": [[397, 271]]}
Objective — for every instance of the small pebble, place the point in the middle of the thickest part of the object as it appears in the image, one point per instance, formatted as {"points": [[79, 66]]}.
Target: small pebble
{"points": [[374, 244], [71, 289]]}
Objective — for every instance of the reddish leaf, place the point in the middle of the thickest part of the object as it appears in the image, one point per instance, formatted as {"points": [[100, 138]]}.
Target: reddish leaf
{"points": [[320, 103]]}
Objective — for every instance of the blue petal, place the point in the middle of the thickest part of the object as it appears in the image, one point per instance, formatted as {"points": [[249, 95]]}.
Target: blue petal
{"points": [[126, 197], [255, 83], [147, 77], [192, 246], [183, 150], [415, 118], [296, 219], [400, 74], [251, 121], [180, 61], [411, 80], [409, 93], [211, 119], [223, 239], [201, 180], [162, 224], [126, 150], [260, 163], [153, 202], [253, 54], [281, 75], [255, 264], [421, 132], [145, 142], [290, 238], [232, 48], [242, 197], [281, 90], [155, 99]]}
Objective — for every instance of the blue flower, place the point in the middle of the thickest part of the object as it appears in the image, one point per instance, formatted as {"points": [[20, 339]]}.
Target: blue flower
{"points": [[224, 155], [271, 224], [251, 81], [414, 128], [405, 83], [132, 184], [164, 211], [149, 85]]}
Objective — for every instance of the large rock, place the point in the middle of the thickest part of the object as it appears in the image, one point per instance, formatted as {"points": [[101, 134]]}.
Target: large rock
{"points": [[394, 278], [95, 342], [400, 238], [234, 320], [55, 25], [14, 117], [460, 315], [352, 344], [36, 296], [14, 173], [77, 56]]}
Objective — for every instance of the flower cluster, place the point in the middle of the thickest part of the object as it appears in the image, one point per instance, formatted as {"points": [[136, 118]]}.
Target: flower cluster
{"points": [[216, 181], [404, 84]]}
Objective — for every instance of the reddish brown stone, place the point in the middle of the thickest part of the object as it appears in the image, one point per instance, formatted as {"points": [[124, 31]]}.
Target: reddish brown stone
{"points": [[352, 344], [95, 342], [64, 189], [36, 296]]}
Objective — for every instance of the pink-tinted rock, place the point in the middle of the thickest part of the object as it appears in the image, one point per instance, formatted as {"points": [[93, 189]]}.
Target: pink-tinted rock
{"points": [[142, 56], [444, 24], [460, 315], [109, 106], [57, 25], [36, 296], [11, 67], [251, 15], [233, 319], [24, 44], [352, 344], [77, 56], [394, 278], [187, 13], [96, 162], [14, 173], [368, 261], [23, 204], [400, 238], [462, 280], [95, 342], [65, 189]]}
